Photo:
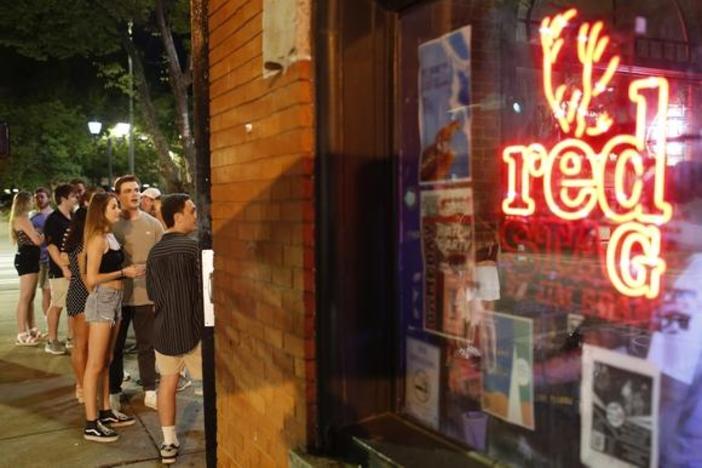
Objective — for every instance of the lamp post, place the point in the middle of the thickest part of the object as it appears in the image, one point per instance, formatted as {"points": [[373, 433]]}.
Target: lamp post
{"points": [[95, 128]]}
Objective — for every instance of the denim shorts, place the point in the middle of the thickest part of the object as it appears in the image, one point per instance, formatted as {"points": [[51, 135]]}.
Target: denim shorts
{"points": [[104, 305]]}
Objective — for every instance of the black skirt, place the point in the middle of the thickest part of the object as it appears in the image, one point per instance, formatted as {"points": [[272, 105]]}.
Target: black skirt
{"points": [[27, 259]]}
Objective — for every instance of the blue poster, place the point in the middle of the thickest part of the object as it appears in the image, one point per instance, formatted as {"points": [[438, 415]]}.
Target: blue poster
{"points": [[444, 112]]}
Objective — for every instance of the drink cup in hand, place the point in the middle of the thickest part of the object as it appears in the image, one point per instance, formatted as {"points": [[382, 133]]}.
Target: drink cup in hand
{"points": [[132, 271]]}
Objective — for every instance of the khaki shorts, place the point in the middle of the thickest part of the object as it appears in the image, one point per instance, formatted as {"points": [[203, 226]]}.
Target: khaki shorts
{"points": [[43, 276], [192, 360], [59, 288]]}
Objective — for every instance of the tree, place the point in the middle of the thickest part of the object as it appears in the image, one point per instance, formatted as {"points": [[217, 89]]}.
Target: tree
{"points": [[43, 29], [48, 138]]}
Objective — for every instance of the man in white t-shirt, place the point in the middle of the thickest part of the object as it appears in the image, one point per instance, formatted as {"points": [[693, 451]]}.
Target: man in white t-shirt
{"points": [[137, 232]]}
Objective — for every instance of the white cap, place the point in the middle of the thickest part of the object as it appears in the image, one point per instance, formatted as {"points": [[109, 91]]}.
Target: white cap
{"points": [[152, 193]]}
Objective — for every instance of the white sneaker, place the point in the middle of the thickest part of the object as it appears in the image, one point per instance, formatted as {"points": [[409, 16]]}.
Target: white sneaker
{"points": [[115, 403], [150, 399], [183, 382]]}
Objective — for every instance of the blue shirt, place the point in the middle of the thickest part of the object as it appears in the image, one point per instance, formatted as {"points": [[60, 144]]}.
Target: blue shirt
{"points": [[38, 221]]}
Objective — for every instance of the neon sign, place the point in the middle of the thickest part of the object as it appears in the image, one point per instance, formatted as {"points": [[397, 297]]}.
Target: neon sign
{"points": [[575, 176]]}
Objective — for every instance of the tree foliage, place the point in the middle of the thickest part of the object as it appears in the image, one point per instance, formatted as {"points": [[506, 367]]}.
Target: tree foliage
{"points": [[100, 31], [49, 144]]}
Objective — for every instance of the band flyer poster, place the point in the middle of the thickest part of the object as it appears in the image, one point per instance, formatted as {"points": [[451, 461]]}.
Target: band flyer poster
{"points": [[422, 382], [447, 254], [619, 410], [444, 112], [507, 344]]}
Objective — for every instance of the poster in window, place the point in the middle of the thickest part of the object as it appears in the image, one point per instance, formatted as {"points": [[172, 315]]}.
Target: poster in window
{"points": [[461, 417], [447, 255], [619, 410], [507, 344], [422, 382], [444, 112], [676, 344]]}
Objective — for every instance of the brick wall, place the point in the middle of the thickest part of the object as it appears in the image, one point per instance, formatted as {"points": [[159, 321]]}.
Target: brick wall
{"points": [[263, 228]]}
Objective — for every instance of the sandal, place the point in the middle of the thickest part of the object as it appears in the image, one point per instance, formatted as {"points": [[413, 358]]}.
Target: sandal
{"points": [[37, 334], [25, 339]]}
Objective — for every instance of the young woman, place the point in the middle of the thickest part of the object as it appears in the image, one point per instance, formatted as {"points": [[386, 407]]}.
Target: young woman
{"points": [[76, 297], [28, 241], [104, 275]]}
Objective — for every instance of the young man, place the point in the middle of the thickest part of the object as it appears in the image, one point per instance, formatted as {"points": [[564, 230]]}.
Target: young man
{"points": [[137, 232], [42, 200], [149, 200], [79, 188], [57, 223], [173, 282]]}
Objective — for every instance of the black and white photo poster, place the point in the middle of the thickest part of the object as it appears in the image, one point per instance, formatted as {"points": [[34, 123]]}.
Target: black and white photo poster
{"points": [[619, 410]]}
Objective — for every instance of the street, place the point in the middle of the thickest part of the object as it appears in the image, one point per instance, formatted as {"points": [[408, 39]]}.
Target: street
{"points": [[42, 419]]}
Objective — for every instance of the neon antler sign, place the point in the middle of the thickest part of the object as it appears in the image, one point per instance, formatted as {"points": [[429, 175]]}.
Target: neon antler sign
{"points": [[574, 175]]}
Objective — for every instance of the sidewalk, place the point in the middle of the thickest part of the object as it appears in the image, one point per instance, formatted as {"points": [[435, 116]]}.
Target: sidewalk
{"points": [[42, 421]]}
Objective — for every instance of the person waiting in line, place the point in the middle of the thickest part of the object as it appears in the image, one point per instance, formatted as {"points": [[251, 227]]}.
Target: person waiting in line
{"points": [[151, 201], [137, 232], [173, 283], [103, 311], [42, 201], [81, 192], [55, 230], [76, 297], [28, 241]]}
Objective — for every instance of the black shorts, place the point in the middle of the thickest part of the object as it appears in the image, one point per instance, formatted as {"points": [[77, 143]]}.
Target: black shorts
{"points": [[27, 260]]}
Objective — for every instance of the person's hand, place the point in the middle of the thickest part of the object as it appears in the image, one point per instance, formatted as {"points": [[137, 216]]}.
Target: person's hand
{"points": [[66, 272], [64, 258], [132, 271]]}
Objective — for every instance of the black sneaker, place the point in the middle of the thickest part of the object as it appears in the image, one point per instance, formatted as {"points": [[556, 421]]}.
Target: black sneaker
{"points": [[169, 453], [114, 418], [99, 433]]}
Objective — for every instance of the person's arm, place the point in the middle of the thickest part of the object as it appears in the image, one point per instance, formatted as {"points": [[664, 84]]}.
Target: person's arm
{"points": [[82, 266], [158, 231], [94, 251], [52, 248], [27, 227], [150, 286]]}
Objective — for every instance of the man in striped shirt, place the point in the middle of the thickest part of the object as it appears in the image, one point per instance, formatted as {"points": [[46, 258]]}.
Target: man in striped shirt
{"points": [[173, 283]]}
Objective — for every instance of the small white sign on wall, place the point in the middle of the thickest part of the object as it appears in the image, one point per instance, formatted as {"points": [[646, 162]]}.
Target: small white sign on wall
{"points": [[207, 297], [286, 34]]}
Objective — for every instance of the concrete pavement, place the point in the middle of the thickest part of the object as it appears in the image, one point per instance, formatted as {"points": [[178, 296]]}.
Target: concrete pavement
{"points": [[41, 421]]}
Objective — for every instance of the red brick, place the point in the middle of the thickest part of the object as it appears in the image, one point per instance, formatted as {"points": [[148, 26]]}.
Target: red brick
{"points": [[294, 345]]}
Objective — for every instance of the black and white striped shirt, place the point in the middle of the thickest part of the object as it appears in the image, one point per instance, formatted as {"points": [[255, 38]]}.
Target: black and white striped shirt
{"points": [[173, 284]]}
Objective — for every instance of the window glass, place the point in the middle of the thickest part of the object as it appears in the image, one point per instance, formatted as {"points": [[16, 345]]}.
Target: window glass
{"points": [[550, 228]]}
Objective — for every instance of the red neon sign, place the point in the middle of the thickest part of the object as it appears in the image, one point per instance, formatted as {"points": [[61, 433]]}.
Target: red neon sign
{"points": [[574, 174]]}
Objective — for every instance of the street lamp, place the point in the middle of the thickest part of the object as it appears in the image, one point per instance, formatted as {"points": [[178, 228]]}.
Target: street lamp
{"points": [[94, 127]]}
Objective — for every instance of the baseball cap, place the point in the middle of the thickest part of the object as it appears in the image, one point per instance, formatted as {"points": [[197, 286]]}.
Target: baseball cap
{"points": [[152, 193]]}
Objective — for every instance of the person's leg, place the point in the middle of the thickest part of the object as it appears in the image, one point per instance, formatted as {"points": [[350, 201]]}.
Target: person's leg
{"points": [[52, 321], [45, 299], [30, 309], [143, 330], [167, 416], [45, 288], [106, 387], [117, 365], [69, 338], [167, 399], [98, 349], [80, 349], [58, 302], [27, 284]]}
